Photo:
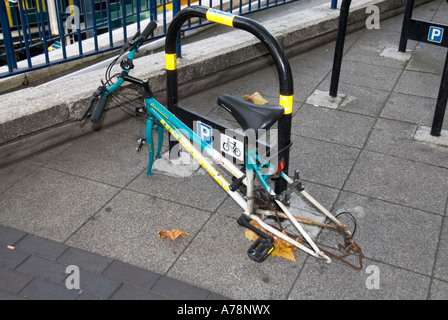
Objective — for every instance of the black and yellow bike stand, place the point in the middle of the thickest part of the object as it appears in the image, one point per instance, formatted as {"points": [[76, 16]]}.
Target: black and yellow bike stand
{"points": [[275, 49]]}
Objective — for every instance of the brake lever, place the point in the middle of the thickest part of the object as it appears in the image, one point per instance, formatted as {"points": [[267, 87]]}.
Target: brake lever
{"points": [[95, 96], [89, 107], [130, 43]]}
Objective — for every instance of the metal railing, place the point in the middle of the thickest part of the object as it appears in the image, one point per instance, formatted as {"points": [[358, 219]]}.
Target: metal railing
{"points": [[36, 34]]}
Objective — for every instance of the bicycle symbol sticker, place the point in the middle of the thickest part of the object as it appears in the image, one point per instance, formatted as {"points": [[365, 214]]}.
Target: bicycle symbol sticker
{"points": [[232, 147]]}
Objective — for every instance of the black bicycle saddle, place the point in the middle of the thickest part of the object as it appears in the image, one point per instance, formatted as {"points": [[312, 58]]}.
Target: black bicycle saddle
{"points": [[250, 115]]}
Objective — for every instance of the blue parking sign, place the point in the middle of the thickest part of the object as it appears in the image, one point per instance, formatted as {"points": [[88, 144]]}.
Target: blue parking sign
{"points": [[435, 34], [205, 132]]}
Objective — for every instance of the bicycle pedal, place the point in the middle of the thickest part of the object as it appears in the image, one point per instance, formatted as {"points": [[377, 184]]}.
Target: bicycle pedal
{"points": [[260, 249]]}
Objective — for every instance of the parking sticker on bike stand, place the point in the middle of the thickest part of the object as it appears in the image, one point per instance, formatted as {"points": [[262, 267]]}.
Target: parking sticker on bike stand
{"points": [[232, 147], [205, 132]]}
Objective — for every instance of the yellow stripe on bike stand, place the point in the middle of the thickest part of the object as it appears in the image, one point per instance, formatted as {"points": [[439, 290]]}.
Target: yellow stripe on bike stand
{"points": [[286, 102], [171, 61], [220, 17]]}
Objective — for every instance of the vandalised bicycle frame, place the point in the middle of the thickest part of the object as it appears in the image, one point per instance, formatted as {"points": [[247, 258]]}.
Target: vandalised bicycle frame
{"points": [[184, 135], [159, 118], [254, 164]]}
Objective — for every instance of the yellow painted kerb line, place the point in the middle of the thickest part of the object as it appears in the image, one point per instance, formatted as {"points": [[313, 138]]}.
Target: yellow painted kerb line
{"points": [[286, 102], [171, 61], [220, 17]]}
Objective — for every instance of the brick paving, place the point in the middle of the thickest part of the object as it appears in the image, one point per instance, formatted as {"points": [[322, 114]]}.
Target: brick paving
{"points": [[35, 268]]}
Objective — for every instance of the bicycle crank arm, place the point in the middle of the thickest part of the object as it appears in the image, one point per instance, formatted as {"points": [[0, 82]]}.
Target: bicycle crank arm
{"points": [[263, 246], [243, 221]]}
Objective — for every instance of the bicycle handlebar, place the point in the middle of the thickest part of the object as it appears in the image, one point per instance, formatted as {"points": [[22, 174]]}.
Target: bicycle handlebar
{"points": [[148, 30], [98, 112], [103, 94], [139, 38]]}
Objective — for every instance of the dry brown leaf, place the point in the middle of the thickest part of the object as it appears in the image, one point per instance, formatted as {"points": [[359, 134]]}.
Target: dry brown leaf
{"points": [[249, 234], [286, 253], [282, 248], [252, 236], [255, 98], [173, 234], [283, 244]]}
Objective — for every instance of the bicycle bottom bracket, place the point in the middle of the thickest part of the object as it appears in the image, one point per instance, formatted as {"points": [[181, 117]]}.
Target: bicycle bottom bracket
{"points": [[260, 249]]}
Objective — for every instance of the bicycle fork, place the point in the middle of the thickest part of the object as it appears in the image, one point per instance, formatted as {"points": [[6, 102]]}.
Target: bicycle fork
{"points": [[151, 125]]}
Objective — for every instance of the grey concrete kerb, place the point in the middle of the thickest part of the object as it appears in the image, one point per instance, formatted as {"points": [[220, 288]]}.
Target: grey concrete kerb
{"points": [[57, 105]]}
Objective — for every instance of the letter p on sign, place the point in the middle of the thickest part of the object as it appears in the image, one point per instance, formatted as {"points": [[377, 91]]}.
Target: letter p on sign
{"points": [[435, 34]]}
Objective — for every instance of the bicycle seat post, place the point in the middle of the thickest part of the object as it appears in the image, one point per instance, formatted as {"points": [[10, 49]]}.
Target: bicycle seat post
{"points": [[250, 172]]}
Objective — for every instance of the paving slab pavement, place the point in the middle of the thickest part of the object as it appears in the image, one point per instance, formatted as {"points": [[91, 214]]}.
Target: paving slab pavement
{"points": [[89, 203]]}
